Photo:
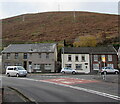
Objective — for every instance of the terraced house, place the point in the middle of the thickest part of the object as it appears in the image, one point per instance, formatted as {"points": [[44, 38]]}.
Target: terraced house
{"points": [[41, 57], [89, 59]]}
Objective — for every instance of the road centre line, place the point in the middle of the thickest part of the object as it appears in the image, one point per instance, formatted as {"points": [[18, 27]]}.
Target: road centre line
{"points": [[79, 88]]}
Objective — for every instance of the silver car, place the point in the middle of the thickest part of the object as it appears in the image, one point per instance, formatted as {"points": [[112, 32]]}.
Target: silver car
{"points": [[106, 70], [68, 70]]}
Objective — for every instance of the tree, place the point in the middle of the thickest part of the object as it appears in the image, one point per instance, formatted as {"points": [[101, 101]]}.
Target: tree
{"points": [[86, 41]]}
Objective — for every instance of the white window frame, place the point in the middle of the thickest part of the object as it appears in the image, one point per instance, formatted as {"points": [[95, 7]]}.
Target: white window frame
{"points": [[18, 64], [37, 66], [109, 57], [82, 57], [68, 65], [76, 58], [16, 55], [95, 57], [110, 65], [70, 56], [8, 56], [47, 66], [78, 66], [96, 67]]}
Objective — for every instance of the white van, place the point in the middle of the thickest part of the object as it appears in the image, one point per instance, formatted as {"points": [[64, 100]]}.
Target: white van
{"points": [[16, 71]]}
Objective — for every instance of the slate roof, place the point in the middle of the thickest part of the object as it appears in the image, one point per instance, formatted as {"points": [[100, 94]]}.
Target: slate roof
{"points": [[39, 47], [76, 50], [89, 50]]}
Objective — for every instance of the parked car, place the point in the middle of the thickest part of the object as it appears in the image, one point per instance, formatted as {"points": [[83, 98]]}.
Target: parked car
{"points": [[106, 70], [68, 70], [16, 71]]}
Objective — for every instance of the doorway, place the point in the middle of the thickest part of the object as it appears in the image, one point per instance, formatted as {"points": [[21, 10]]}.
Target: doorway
{"points": [[25, 65]]}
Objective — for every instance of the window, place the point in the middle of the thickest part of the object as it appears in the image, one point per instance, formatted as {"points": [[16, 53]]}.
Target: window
{"points": [[8, 56], [16, 55], [25, 56], [10, 68], [47, 66], [95, 57], [68, 65], [39, 55], [47, 55], [79, 66], [95, 66], [69, 57], [109, 57], [18, 64], [6, 64], [37, 66], [83, 58], [76, 58], [110, 65]]}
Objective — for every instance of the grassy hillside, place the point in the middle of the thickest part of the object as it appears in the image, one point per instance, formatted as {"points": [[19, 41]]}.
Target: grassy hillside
{"points": [[57, 26]]}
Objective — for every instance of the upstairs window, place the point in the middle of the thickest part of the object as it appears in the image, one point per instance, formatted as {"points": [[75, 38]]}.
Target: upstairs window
{"points": [[95, 57], [109, 57], [69, 58], [25, 56], [47, 55], [39, 55], [76, 58], [16, 55], [83, 58], [8, 56]]}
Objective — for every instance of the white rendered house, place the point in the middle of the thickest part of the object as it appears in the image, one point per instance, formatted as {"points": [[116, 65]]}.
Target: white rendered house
{"points": [[76, 58]]}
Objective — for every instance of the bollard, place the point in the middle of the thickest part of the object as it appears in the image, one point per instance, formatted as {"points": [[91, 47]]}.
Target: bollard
{"points": [[104, 76]]}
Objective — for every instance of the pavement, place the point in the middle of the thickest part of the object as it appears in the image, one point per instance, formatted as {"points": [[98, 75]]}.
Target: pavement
{"points": [[11, 95], [108, 78]]}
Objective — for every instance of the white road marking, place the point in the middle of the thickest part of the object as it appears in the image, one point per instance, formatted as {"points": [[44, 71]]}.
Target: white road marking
{"points": [[78, 88]]}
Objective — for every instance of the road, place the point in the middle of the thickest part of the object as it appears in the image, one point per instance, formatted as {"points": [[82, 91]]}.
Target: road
{"points": [[64, 88]]}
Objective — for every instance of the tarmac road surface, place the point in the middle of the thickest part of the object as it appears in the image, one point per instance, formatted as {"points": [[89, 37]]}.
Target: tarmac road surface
{"points": [[48, 90]]}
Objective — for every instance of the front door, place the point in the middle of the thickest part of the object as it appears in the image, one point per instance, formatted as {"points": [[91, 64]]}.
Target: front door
{"points": [[25, 65]]}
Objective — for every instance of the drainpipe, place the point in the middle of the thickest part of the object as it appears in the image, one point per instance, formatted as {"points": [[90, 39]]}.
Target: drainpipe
{"points": [[91, 63], [63, 57]]}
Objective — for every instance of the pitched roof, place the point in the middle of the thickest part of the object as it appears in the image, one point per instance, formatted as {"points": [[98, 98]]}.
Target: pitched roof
{"points": [[39, 47], [76, 50], [89, 50]]}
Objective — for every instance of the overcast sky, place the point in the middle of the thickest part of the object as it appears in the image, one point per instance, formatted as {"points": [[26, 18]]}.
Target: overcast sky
{"points": [[9, 8]]}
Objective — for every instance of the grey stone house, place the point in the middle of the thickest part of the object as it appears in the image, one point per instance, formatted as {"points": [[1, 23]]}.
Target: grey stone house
{"points": [[41, 57]]}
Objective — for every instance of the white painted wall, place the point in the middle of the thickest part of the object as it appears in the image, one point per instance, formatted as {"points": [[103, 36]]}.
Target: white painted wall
{"points": [[73, 62]]}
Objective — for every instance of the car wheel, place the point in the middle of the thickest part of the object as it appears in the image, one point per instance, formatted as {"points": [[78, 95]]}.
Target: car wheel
{"points": [[116, 72], [63, 72], [17, 75], [73, 72], [8, 74]]}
